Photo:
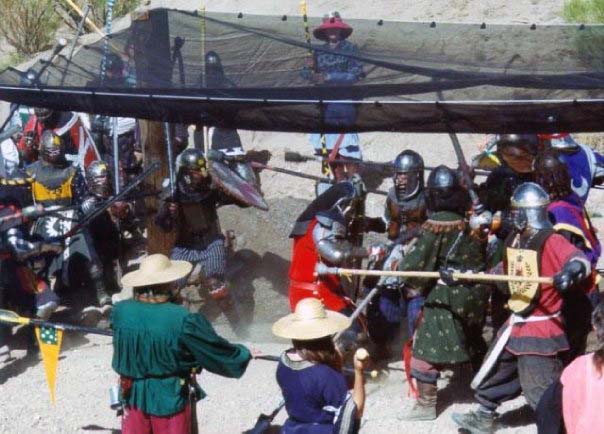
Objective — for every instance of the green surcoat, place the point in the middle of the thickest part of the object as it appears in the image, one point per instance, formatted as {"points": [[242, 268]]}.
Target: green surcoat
{"points": [[453, 316]]}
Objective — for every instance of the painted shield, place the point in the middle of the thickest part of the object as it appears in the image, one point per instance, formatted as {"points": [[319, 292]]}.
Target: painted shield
{"points": [[235, 186], [523, 295]]}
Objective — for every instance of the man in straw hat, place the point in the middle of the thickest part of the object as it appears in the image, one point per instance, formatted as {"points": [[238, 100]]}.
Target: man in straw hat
{"points": [[310, 374], [158, 346]]}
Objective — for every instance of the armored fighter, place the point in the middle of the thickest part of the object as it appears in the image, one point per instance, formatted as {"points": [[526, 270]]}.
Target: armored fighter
{"points": [[525, 356]]}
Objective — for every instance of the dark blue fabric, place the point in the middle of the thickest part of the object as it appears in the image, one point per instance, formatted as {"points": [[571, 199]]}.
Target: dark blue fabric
{"points": [[306, 392]]}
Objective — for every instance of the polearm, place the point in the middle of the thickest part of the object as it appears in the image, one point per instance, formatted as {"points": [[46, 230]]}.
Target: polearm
{"points": [[296, 157], [322, 269], [75, 41], [258, 165], [11, 317]]}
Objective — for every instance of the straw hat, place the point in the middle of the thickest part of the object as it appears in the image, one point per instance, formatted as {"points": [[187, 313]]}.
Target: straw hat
{"points": [[332, 21], [155, 270], [310, 321]]}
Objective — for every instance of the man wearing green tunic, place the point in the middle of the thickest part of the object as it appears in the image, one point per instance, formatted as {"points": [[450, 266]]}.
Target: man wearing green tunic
{"points": [[158, 346], [450, 332]]}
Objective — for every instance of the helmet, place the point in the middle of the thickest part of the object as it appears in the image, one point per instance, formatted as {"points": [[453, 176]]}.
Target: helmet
{"points": [[43, 114], [529, 207], [445, 193], [52, 147], [411, 164], [114, 65], [193, 168], [560, 141], [518, 151], [443, 178], [97, 179], [553, 175]]}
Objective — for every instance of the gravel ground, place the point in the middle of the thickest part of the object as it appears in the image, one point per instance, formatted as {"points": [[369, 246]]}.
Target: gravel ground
{"points": [[85, 375]]}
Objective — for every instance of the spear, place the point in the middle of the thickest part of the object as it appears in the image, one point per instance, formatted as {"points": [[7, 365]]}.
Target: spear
{"points": [[11, 317], [296, 157], [322, 269], [258, 165]]}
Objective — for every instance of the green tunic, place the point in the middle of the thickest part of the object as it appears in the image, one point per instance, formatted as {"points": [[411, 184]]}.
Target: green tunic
{"points": [[453, 317], [157, 345]]}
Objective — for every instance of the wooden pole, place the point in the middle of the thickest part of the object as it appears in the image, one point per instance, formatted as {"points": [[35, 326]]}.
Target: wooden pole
{"points": [[154, 149], [478, 277]]}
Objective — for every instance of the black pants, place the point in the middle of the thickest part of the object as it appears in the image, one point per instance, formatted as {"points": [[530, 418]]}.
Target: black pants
{"points": [[512, 374]]}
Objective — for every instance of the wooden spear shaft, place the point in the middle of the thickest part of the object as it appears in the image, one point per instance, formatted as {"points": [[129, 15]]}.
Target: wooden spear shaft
{"points": [[477, 277]]}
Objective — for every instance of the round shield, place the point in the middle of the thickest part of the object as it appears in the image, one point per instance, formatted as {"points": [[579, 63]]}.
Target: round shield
{"points": [[235, 186]]}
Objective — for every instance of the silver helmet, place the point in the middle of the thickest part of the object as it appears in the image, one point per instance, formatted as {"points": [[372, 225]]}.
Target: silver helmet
{"points": [[408, 174], [52, 147], [562, 142], [98, 179], [193, 168], [529, 207]]}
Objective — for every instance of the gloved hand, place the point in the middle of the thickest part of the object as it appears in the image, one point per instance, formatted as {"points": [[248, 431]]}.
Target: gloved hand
{"points": [[571, 274], [446, 275], [481, 221]]}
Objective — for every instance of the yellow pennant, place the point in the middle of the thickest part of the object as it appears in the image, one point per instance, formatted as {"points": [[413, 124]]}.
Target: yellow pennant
{"points": [[49, 339]]}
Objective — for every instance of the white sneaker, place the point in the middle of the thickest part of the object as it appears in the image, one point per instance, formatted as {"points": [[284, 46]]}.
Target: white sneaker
{"points": [[46, 310]]}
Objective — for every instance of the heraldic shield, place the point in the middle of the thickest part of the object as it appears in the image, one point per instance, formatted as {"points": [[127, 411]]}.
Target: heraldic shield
{"points": [[235, 186], [523, 295]]}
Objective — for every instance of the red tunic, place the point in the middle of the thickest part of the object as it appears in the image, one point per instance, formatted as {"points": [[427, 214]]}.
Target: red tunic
{"points": [[303, 283], [545, 337]]}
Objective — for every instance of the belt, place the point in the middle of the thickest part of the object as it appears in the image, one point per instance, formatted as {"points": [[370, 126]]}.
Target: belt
{"points": [[493, 355]]}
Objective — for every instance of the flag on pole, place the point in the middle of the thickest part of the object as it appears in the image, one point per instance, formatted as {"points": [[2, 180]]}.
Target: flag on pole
{"points": [[49, 340]]}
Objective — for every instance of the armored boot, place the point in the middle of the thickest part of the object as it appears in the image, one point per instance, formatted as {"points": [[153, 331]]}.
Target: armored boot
{"points": [[424, 407], [476, 422]]}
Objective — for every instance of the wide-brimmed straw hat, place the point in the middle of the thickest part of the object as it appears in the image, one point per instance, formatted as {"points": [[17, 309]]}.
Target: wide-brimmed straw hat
{"points": [[156, 269], [332, 21], [310, 321]]}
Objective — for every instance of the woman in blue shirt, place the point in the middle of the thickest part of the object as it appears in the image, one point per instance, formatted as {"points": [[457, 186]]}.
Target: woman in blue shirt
{"points": [[316, 395]]}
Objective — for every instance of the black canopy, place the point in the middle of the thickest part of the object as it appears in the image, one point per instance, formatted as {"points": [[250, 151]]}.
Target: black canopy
{"points": [[417, 77]]}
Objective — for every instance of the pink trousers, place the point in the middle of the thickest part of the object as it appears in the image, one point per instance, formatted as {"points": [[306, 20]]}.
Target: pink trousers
{"points": [[138, 422]]}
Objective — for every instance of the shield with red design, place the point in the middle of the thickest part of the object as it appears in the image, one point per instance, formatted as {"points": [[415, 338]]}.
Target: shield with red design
{"points": [[235, 186]]}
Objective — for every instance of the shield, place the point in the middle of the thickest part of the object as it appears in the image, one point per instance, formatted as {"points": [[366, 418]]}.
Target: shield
{"points": [[236, 187], [523, 295]]}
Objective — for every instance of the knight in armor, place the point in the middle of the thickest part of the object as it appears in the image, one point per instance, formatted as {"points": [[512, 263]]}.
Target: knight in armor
{"points": [[320, 235], [66, 125], [404, 214], [570, 219], [192, 213], [57, 184], [585, 166], [516, 154], [525, 355], [103, 230], [450, 331]]}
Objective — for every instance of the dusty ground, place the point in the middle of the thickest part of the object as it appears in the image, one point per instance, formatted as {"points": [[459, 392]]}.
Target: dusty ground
{"points": [[232, 406]]}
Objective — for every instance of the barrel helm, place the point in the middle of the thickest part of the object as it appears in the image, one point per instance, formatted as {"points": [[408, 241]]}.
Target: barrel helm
{"points": [[529, 207], [408, 175], [52, 147], [98, 179]]}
